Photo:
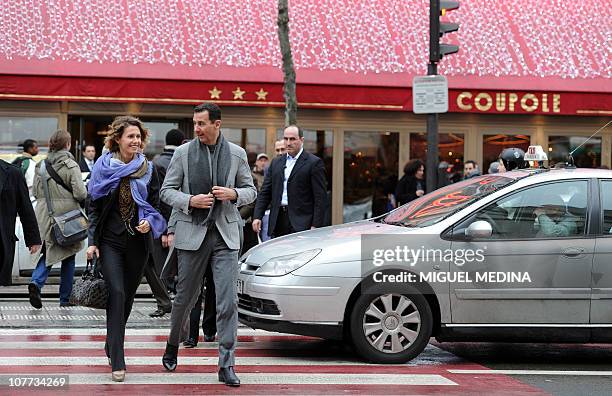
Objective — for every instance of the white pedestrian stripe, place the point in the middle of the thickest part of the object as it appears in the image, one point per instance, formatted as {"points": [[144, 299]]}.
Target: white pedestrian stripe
{"points": [[54, 317], [534, 372], [61, 344], [242, 331], [269, 379], [182, 361]]}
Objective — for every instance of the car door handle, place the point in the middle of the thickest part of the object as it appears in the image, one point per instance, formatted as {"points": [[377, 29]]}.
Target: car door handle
{"points": [[572, 252]]}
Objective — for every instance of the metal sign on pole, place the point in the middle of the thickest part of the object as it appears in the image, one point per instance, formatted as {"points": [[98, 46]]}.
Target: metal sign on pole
{"points": [[429, 94]]}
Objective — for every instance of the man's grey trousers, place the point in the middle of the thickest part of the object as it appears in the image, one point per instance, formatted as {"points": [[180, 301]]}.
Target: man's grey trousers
{"points": [[192, 265]]}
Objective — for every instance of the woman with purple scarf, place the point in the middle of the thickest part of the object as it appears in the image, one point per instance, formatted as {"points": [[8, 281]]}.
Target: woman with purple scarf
{"points": [[124, 216]]}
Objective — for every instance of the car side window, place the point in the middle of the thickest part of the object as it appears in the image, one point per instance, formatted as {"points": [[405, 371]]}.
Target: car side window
{"points": [[547, 211], [606, 206]]}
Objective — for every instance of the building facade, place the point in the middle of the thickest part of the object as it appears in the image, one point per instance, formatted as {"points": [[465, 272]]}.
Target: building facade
{"points": [[519, 79]]}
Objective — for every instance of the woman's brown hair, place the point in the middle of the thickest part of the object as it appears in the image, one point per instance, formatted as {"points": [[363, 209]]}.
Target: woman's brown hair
{"points": [[116, 129], [59, 140]]}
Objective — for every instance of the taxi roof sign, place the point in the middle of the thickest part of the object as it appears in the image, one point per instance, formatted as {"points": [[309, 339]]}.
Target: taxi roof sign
{"points": [[535, 153]]}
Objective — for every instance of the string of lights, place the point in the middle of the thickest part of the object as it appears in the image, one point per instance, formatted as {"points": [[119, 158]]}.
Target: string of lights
{"points": [[497, 38]]}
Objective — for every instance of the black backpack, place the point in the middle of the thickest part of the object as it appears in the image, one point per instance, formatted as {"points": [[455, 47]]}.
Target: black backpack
{"points": [[23, 163]]}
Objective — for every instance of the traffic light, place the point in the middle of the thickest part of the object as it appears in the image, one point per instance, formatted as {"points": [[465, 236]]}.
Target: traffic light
{"points": [[437, 29]]}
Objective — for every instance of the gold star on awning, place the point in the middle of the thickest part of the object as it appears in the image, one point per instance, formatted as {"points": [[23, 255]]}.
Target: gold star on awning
{"points": [[238, 93], [261, 94], [215, 93]]}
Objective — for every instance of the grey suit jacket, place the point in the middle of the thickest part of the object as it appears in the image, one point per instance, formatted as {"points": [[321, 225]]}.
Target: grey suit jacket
{"points": [[175, 192]]}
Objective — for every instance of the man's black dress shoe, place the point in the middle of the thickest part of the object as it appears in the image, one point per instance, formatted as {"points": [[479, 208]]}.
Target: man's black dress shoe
{"points": [[227, 375], [190, 343], [34, 292], [170, 356], [209, 338], [157, 313], [160, 312]]}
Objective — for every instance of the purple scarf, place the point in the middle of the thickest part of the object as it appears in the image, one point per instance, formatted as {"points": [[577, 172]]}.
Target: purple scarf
{"points": [[105, 177]]}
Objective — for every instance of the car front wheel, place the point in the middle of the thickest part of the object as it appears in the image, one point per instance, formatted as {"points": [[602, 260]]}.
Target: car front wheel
{"points": [[390, 328]]}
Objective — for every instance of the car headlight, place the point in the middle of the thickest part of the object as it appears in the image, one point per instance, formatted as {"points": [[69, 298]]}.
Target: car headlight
{"points": [[279, 266]]}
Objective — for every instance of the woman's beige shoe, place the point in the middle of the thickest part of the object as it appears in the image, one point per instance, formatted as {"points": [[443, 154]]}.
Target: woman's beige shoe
{"points": [[119, 375]]}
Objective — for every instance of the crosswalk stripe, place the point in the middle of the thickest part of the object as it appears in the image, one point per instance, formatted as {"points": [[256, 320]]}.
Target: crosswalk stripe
{"points": [[148, 338], [269, 379], [143, 345], [201, 368], [182, 360], [534, 372], [102, 331]]}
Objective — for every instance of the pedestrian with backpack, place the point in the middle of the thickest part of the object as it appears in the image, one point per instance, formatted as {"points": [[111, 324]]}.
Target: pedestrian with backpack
{"points": [[26, 163]]}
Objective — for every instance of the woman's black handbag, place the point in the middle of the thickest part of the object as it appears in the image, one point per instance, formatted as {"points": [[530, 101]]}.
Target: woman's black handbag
{"points": [[90, 289]]}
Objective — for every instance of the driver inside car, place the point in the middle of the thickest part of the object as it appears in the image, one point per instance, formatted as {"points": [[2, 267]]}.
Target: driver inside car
{"points": [[553, 218]]}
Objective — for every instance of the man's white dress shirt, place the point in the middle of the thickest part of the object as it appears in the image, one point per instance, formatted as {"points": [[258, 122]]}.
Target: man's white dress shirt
{"points": [[288, 168]]}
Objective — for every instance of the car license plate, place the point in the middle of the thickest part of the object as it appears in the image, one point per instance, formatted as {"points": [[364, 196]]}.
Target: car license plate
{"points": [[240, 286]]}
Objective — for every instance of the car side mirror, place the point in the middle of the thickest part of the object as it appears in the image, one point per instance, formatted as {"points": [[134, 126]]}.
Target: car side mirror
{"points": [[479, 229]]}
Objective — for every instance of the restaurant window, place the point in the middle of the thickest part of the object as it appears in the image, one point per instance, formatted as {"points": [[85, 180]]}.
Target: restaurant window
{"points": [[370, 173], [157, 136], [493, 145], [252, 140], [587, 152], [451, 147], [14, 130]]}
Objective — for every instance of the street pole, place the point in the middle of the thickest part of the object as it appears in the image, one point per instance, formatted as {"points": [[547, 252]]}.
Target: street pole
{"points": [[431, 171], [437, 50]]}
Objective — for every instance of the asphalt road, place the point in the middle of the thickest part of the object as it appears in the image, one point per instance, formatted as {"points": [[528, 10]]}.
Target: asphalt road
{"points": [[591, 362]]}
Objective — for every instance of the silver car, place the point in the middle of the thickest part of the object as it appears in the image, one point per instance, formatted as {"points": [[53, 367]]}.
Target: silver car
{"points": [[540, 269]]}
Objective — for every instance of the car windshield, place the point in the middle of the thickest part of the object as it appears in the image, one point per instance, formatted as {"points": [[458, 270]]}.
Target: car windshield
{"points": [[441, 203]]}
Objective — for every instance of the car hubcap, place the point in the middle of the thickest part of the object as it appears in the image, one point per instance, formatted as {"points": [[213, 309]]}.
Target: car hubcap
{"points": [[391, 323]]}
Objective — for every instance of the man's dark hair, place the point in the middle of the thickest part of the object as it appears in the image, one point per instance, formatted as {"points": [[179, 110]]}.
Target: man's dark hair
{"points": [[214, 111], [174, 137], [28, 144], [300, 130], [471, 162], [87, 145]]}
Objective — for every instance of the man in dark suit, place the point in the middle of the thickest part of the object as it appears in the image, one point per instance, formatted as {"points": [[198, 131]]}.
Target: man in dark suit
{"points": [[87, 158], [14, 199], [294, 188]]}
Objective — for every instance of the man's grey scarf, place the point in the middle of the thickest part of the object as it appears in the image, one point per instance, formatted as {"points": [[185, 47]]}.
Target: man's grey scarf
{"points": [[201, 168]]}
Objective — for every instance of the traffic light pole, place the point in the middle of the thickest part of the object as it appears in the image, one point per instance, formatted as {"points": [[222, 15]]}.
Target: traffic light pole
{"points": [[431, 174], [437, 50]]}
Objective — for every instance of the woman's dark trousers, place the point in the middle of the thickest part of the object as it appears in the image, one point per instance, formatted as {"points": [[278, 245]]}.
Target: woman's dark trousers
{"points": [[123, 260]]}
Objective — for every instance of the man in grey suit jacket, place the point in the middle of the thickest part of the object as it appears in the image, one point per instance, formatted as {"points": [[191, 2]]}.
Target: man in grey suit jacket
{"points": [[205, 183]]}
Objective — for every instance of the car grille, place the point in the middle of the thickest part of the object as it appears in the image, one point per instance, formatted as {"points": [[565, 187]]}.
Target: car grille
{"points": [[257, 305]]}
